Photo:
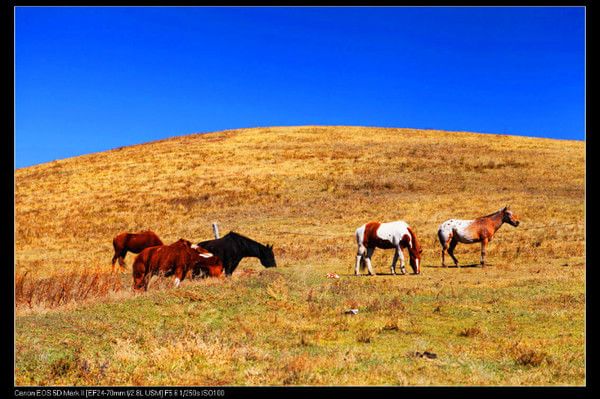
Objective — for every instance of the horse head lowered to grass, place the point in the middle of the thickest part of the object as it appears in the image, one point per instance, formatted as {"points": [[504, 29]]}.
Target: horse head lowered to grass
{"points": [[178, 260], [393, 235]]}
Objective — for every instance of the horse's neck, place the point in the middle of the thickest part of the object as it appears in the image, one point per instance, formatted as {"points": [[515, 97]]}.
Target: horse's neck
{"points": [[249, 250], [496, 220]]}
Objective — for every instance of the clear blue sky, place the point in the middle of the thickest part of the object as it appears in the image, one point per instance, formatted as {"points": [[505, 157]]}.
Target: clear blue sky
{"points": [[89, 79]]}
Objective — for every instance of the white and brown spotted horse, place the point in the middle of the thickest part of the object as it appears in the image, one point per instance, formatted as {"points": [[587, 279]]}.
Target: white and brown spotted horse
{"points": [[393, 235], [482, 229]]}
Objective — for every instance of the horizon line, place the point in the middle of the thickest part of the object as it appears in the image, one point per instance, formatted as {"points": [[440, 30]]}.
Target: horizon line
{"points": [[288, 126]]}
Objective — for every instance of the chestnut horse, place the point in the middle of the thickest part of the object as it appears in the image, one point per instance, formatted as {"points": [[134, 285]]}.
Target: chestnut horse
{"points": [[393, 235], [482, 229], [176, 259], [132, 242], [210, 265]]}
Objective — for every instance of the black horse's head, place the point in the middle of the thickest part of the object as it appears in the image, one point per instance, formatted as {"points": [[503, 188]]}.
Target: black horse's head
{"points": [[267, 258]]}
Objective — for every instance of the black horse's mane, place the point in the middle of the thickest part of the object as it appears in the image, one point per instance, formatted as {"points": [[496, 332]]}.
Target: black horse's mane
{"points": [[243, 239], [238, 238]]}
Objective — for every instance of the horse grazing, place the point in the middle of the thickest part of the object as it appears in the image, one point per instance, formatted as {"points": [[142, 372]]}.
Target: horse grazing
{"points": [[132, 242], [482, 229], [233, 247], [176, 259], [393, 235]]}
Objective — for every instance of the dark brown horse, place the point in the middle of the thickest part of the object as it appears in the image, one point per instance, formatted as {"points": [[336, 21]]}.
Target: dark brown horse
{"points": [[177, 259], [132, 242]]}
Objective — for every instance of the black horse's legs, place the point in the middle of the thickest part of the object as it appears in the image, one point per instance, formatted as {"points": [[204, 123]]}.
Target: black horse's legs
{"points": [[231, 265]]}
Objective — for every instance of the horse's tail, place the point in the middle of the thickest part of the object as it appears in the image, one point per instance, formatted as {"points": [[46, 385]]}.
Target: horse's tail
{"points": [[441, 237], [115, 241]]}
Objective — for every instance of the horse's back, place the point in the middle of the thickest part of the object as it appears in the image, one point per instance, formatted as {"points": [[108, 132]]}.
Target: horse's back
{"points": [[136, 242], [452, 224], [217, 246], [383, 235], [461, 229], [395, 232], [397, 225]]}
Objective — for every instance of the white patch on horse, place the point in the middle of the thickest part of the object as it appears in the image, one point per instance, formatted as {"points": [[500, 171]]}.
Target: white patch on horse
{"points": [[177, 281], [393, 232], [206, 255], [194, 246], [457, 228]]}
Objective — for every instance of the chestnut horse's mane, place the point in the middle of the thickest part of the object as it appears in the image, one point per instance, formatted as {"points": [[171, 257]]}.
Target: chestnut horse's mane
{"points": [[492, 214], [416, 244]]}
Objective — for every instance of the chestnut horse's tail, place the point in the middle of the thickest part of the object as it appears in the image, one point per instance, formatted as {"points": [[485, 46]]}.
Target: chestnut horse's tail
{"points": [[120, 251]]}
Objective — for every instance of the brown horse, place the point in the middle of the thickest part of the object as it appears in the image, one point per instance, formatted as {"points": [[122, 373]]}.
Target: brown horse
{"points": [[209, 266], [482, 229], [177, 259], [132, 242]]}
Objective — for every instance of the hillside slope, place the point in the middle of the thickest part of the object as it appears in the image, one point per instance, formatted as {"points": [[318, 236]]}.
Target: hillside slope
{"points": [[305, 190]]}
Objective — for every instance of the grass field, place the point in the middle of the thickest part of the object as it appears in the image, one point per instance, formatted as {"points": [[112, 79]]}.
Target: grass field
{"points": [[518, 321]]}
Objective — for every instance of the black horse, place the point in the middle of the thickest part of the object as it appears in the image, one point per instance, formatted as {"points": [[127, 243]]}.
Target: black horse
{"points": [[232, 247]]}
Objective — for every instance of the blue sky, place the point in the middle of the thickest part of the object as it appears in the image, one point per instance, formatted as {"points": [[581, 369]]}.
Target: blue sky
{"points": [[89, 79]]}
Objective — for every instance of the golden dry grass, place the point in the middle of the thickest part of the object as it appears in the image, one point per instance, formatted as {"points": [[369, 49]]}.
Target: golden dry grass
{"points": [[306, 189]]}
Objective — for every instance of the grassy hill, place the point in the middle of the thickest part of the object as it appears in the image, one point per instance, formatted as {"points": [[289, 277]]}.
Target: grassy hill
{"points": [[305, 190]]}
